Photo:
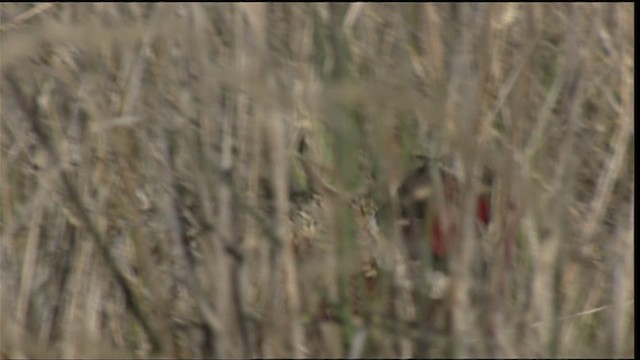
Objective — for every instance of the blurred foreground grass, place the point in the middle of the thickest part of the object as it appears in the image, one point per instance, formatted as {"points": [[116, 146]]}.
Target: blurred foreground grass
{"points": [[197, 180]]}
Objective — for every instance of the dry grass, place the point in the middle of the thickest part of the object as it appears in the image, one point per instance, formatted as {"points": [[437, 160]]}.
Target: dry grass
{"points": [[194, 180]]}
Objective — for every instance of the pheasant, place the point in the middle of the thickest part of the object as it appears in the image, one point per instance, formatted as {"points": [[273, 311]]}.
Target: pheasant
{"points": [[427, 223]]}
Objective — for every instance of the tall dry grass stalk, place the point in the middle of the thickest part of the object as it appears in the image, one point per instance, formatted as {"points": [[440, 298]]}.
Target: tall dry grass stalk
{"points": [[201, 180]]}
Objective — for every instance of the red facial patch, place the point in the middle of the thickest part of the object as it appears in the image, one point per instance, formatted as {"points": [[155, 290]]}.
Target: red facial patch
{"points": [[444, 229], [484, 209]]}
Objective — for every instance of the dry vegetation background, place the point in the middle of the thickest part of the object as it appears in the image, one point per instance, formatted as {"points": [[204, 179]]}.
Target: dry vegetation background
{"points": [[196, 180]]}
